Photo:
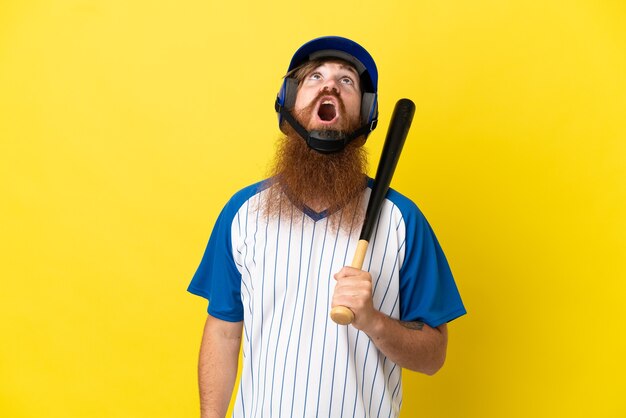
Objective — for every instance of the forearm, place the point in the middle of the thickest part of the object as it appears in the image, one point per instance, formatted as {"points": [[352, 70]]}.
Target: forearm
{"points": [[419, 348], [411, 345], [217, 366]]}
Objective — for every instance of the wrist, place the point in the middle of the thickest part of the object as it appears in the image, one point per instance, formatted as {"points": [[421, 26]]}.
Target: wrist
{"points": [[375, 326]]}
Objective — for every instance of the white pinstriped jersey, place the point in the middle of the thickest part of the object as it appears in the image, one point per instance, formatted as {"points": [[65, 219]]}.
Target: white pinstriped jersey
{"points": [[277, 276]]}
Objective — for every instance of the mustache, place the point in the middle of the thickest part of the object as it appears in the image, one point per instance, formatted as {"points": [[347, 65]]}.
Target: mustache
{"points": [[325, 93]]}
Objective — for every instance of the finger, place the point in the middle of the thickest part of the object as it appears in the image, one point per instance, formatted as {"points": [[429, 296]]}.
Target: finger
{"points": [[351, 272]]}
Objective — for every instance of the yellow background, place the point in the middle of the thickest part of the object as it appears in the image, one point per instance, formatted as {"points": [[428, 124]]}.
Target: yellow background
{"points": [[125, 126]]}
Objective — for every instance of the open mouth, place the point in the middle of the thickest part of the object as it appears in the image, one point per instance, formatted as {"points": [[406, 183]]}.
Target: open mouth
{"points": [[327, 111]]}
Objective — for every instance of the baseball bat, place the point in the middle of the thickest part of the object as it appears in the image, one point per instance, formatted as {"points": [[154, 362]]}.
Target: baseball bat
{"points": [[401, 119]]}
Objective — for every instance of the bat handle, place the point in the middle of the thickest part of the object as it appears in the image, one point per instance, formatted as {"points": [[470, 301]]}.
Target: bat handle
{"points": [[341, 314]]}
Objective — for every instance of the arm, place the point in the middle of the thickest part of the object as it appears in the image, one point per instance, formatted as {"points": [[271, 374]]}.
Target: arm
{"points": [[217, 365], [411, 345]]}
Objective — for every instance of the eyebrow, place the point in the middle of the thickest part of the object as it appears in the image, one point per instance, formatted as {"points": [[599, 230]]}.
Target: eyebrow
{"points": [[343, 66], [349, 68]]}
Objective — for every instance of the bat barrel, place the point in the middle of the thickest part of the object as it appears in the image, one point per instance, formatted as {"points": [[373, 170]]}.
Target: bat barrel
{"points": [[401, 120]]}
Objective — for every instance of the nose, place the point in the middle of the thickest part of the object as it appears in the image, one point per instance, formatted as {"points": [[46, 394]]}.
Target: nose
{"points": [[330, 84]]}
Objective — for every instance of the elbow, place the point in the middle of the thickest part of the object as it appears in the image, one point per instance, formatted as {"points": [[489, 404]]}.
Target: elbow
{"points": [[438, 357], [428, 366], [434, 365]]}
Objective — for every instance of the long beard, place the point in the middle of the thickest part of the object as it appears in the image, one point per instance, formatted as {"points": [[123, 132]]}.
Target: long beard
{"points": [[304, 178]]}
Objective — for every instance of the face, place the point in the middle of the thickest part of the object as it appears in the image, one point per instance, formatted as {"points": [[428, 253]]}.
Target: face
{"points": [[329, 97]]}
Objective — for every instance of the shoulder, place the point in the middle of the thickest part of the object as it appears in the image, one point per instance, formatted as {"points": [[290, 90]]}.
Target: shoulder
{"points": [[407, 208], [405, 211], [249, 191], [245, 194], [410, 216], [239, 201], [402, 202]]}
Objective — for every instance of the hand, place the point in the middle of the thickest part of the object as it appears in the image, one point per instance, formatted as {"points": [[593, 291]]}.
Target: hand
{"points": [[354, 291]]}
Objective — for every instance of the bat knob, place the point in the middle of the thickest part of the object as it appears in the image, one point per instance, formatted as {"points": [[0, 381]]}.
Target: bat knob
{"points": [[342, 315]]}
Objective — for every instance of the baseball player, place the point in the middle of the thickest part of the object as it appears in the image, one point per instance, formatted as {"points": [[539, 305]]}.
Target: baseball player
{"points": [[275, 264]]}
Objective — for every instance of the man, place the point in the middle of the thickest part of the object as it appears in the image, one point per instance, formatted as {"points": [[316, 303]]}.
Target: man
{"points": [[275, 264]]}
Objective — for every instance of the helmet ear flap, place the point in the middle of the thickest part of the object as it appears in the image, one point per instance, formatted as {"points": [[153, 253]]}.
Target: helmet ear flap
{"points": [[369, 108], [287, 96], [287, 93], [291, 91]]}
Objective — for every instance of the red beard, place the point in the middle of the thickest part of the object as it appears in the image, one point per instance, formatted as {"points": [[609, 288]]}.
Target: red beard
{"points": [[305, 178]]}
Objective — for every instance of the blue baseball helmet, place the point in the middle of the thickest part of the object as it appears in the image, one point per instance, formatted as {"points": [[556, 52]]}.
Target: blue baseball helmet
{"points": [[344, 49]]}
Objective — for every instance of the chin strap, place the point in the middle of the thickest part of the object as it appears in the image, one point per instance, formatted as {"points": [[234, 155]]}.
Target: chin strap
{"points": [[326, 142]]}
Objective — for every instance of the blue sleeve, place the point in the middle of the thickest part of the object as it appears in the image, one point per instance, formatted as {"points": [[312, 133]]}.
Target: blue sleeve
{"points": [[428, 292], [217, 277]]}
